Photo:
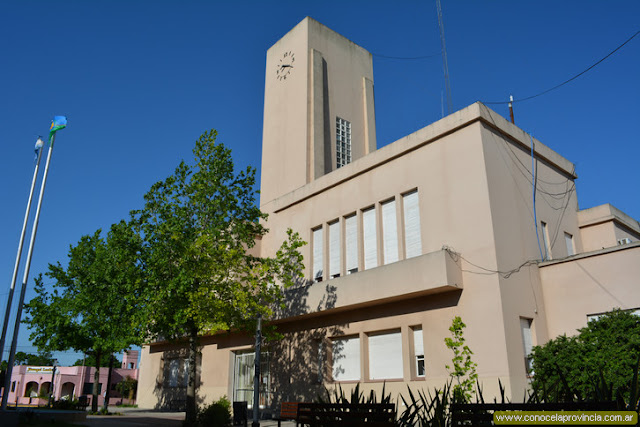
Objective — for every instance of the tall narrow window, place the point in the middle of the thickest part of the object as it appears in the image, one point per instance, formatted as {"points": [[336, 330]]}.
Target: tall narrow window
{"points": [[385, 356], [334, 249], [390, 232], [568, 239], [370, 238], [418, 351], [412, 239], [346, 359], [351, 237], [174, 369], [527, 341], [545, 238], [317, 255], [343, 142]]}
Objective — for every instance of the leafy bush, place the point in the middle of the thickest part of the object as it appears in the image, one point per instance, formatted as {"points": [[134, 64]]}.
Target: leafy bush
{"points": [[65, 404], [605, 352], [462, 368], [216, 414]]}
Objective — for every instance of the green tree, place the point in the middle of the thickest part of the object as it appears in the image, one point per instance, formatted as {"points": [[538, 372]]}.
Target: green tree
{"points": [[90, 360], [198, 227], [43, 358], [462, 368], [128, 387], [91, 307], [607, 348]]}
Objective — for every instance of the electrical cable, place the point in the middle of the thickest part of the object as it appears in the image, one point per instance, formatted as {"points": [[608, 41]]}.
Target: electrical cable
{"points": [[504, 274], [409, 58], [535, 215], [566, 81]]}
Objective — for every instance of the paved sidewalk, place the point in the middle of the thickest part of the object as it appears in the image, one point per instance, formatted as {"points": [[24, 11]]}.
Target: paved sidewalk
{"points": [[136, 417]]}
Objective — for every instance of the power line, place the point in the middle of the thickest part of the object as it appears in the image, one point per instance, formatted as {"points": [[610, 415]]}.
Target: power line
{"points": [[405, 57], [569, 80]]}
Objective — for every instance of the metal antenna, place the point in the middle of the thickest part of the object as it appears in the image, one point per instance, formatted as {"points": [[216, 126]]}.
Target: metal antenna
{"points": [[445, 65]]}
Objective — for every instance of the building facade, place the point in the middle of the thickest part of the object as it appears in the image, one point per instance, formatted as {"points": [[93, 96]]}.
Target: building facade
{"points": [[31, 385], [402, 239]]}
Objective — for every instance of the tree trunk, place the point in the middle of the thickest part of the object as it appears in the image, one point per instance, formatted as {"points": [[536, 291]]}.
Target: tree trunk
{"points": [[96, 382], [107, 392], [191, 382]]}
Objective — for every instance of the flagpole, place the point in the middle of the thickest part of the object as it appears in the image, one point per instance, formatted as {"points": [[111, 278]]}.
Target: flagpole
{"points": [[7, 312], [23, 290]]}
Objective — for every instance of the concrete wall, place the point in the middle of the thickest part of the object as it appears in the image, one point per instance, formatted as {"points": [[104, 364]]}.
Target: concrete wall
{"points": [[591, 283]]}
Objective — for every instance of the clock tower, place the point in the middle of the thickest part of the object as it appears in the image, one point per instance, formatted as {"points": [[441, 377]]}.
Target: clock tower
{"points": [[318, 108]]}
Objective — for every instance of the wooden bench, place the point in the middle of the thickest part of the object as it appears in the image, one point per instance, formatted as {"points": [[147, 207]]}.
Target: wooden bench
{"points": [[343, 414], [288, 411]]}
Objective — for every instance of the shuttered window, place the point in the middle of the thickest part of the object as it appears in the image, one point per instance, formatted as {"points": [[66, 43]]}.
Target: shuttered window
{"points": [[346, 359], [412, 238], [317, 254], [385, 356], [418, 351], [370, 239], [390, 232], [568, 239], [527, 341], [334, 249], [351, 238]]}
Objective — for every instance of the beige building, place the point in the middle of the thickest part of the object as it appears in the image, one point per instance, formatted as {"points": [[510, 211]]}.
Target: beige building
{"points": [[403, 238]]}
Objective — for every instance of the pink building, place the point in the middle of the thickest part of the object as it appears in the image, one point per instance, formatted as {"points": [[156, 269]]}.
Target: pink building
{"points": [[30, 382]]}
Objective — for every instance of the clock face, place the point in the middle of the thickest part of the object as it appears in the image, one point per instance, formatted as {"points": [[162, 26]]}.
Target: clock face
{"points": [[285, 65]]}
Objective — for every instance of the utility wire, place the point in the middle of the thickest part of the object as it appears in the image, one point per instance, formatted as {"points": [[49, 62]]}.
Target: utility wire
{"points": [[405, 57], [571, 79]]}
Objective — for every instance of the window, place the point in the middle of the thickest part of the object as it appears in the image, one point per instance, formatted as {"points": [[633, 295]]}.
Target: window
{"points": [[390, 232], [87, 388], [174, 369], [545, 238], [351, 237], [412, 239], [370, 238], [527, 341], [385, 356], [244, 373], [13, 386], [568, 239], [343, 142], [346, 359], [334, 249], [418, 351], [317, 254]]}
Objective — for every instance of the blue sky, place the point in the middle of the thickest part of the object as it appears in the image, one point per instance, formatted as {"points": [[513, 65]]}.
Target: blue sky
{"points": [[140, 80]]}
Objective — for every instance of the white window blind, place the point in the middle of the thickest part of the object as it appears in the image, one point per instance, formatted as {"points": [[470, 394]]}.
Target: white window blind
{"points": [[317, 254], [334, 249], [185, 373], [390, 232], [418, 350], [545, 238], [385, 356], [346, 359], [351, 237], [412, 238], [370, 239], [527, 341], [568, 239]]}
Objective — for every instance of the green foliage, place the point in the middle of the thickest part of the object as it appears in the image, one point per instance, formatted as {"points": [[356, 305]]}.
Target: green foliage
{"points": [[43, 358], [216, 414], [90, 360], [127, 387], [427, 409], [92, 307], [337, 395], [462, 369], [605, 352], [198, 227], [65, 404]]}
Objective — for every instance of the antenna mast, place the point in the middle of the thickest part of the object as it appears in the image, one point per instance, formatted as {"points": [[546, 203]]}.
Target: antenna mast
{"points": [[445, 65]]}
